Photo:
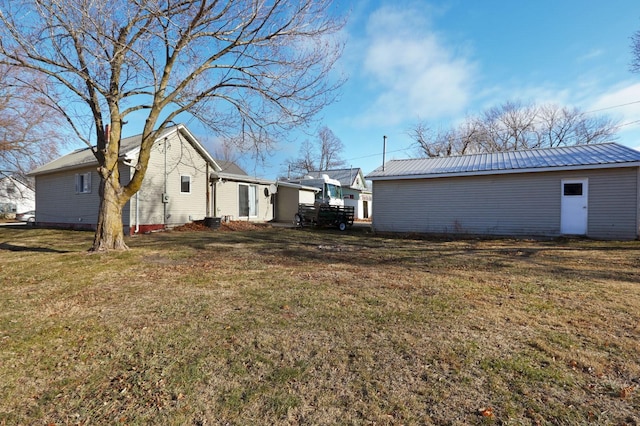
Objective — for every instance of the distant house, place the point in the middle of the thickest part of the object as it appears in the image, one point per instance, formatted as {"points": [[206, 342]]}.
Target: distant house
{"points": [[590, 190], [183, 183], [16, 195], [354, 189]]}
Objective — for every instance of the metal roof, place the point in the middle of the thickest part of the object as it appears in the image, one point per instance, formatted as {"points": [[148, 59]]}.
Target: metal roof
{"points": [[604, 155]]}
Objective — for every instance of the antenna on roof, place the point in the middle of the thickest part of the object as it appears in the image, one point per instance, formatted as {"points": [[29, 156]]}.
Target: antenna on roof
{"points": [[384, 150]]}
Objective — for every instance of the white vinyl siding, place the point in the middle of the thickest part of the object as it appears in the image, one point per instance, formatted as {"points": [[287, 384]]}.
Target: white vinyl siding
{"points": [[185, 184], [165, 175], [226, 201], [58, 202]]}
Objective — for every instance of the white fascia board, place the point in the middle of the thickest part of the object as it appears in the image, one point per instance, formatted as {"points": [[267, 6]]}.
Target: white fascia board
{"points": [[506, 172]]}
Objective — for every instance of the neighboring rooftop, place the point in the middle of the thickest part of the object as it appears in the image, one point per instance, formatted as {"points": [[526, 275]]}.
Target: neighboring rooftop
{"points": [[534, 160], [230, 167], [345, 176]]}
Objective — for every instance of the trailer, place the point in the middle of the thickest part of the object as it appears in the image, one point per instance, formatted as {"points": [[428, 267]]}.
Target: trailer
{"points": [[324, 215]]}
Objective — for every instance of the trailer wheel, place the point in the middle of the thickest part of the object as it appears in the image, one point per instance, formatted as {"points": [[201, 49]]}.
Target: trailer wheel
{"points": [[342, 226], [297, 219]]}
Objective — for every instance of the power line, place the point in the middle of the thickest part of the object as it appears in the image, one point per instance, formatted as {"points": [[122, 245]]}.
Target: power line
{"points": [[611, 107], [627, 124]]}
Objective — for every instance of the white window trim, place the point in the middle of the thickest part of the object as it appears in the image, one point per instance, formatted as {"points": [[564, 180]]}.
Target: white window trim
{"points": [[190, 182], [256, 202], [86, 181]]}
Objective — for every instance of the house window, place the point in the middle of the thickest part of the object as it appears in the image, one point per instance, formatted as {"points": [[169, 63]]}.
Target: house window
{"points": [[185, 184], [248, 200], [83, 183]]}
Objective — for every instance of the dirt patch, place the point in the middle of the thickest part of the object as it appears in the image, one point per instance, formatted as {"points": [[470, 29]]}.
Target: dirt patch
{"points": [[236, 225]]}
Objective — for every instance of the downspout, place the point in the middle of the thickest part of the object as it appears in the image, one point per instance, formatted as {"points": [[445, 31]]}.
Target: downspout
{"points": [[215, 196], [137, 213], [208, 205], [164, 204], [127, 162]]}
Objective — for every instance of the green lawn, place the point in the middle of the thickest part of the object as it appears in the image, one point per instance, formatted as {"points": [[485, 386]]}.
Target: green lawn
{"points": [[289, 326]]}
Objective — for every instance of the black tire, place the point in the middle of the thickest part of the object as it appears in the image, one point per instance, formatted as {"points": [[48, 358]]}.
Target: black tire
{"points": [[297, 219]]}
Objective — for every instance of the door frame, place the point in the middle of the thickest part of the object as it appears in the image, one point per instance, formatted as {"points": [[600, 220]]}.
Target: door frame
{"points": [[574, 209]]}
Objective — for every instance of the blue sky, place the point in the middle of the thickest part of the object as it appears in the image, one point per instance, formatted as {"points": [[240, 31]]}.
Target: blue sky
{"points": [[442, 61]]}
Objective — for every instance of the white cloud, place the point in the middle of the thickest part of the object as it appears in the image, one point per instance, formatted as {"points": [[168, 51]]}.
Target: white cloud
{"points": [[593, 54], [411, 70], [622, 103]]}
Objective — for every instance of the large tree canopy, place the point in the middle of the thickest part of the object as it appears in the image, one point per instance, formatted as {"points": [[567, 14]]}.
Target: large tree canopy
{"points": [[244, 67], [514, 126]]}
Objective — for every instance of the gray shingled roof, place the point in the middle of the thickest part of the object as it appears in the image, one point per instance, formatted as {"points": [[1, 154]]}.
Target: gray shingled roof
{"points": [[128, 146], [345, 176], [230, 168], [84, 156], [535, 160]]}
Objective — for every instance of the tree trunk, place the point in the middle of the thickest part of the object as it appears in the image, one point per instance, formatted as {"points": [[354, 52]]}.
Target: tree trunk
{"points": [[109, 232]]}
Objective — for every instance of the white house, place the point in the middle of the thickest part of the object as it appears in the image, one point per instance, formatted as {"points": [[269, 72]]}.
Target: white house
{"points": [[183, 183], [590, 190], [16, 195]]}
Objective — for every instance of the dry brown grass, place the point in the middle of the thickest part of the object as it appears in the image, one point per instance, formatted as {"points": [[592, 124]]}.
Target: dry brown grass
{"points": [[285, 326]]}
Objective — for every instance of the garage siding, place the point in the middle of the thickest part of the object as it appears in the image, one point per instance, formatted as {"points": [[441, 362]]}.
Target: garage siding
{"points": [[613, 204], [510, 204]]}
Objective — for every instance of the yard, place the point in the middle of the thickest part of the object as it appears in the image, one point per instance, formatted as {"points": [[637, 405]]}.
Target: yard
{"points": [[289, 326]]}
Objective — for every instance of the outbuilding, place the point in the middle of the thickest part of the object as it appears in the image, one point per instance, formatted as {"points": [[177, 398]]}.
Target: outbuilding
{"points": [[587, 190]]}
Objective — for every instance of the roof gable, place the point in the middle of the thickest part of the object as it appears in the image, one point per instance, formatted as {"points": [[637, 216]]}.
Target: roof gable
{"points": [[534, 160], [129, 148]]}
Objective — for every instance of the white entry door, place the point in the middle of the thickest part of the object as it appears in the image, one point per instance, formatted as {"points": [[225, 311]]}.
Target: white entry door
{"points": [[574, 206]]}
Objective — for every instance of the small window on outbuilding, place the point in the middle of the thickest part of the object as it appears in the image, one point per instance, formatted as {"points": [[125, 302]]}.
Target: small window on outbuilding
{"points": [[185, 184], [574, 189]]}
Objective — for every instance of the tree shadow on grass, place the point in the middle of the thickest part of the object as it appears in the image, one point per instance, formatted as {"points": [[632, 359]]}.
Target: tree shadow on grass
{"points": [[12, 247]]}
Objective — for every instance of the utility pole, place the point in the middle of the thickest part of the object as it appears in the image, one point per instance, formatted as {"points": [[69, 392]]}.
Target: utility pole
{"points": [[384, 150]]}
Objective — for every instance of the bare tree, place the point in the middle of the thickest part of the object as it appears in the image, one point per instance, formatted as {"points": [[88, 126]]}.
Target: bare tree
{"points": [[635, 52], [29, 130], [331, 148], [323, 154], [243, 67], [513, 126], [305, 162]]}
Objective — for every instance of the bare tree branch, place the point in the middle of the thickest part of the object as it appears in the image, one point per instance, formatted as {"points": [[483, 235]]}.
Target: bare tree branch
{"points": [[247, 68], [513, 126], [323, 154], [635, 52]]}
